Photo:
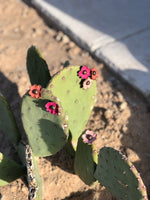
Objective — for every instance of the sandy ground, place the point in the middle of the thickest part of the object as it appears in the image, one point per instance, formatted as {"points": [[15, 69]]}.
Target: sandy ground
{"points": [[120, 117]]}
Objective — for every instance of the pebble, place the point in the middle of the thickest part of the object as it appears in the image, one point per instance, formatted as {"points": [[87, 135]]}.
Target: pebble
{"points": [[2, 197], [75, 51], [108, 114], [123, 106], [72, 44], [24, 189], [16, 30], [124, 129], [59, 36], [133, 157], [65, 39], [120, 96]]}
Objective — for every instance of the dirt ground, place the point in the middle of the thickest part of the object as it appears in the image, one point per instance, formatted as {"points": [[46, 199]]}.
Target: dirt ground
{"points": [[120, 117]]}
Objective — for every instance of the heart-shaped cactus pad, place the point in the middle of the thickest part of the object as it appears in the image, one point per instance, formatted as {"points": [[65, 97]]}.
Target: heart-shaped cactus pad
{"points": [[77, 101]]}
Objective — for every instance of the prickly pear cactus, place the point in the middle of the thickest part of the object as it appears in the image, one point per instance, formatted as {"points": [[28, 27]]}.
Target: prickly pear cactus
{"points": [[54, 114], [76, 101], [85, 161], [9, 127], [47, 133], [37, 67], [7, 122], [7, 169], [119, 176]]}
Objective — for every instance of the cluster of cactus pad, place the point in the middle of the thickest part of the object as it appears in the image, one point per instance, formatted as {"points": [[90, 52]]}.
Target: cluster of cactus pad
{"points": [[54, 113]]}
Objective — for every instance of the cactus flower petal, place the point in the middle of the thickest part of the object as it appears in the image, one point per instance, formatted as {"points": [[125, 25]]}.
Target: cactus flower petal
{"points": [[94, 73], [35, 91], [87, 83], [84, 73], [89, 137], [52, 107]]}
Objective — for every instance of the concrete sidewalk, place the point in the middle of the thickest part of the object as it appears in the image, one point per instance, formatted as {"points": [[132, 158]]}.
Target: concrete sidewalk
{"points": [[117, 32]]}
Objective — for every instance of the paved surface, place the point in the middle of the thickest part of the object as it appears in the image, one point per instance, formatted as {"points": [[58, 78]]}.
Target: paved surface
{"points": [[118, 32]]}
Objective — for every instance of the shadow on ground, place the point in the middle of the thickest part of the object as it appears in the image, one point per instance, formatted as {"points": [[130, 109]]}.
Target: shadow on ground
{"points": [[10, 92]]}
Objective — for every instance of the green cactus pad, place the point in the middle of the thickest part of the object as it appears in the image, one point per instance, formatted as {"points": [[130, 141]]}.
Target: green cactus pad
{"points": [[37, 68], [9, 127], [76, 102], [9, 170], [20, 148], [119, 176], [84, 164], [47, 133], [7, 122]]}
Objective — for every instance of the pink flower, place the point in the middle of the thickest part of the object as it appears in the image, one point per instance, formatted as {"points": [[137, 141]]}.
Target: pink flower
{"points": [[84, 73], [87, 83], [52, 107], [89, 137]]}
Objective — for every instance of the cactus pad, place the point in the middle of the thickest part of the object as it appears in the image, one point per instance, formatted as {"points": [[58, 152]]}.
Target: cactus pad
{"points": [[7, 122], [9, 170], [84, 164], [76, 102], [47, 133], [119, 176], [37, 68]]}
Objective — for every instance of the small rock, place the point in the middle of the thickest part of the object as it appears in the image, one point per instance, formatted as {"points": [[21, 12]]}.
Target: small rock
{"points": [[120, 96], [24, 189], [133, 157], [124, 128], [16, 30], [75, 51], [59, 36], [123, 106], [65, 39], [108, 114], [72, 44], [2, 197]]}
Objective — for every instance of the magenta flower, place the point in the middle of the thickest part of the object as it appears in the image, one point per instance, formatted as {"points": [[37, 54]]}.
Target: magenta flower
{"points": [[52, 107], [85, 72], [89, 137]]}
